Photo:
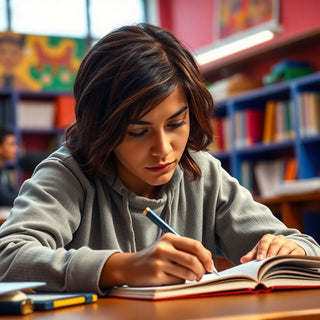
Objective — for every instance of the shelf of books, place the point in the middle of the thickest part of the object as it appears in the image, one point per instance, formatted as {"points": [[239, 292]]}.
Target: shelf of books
{"points": [[270, 135], [38, 120], [275, 127]]}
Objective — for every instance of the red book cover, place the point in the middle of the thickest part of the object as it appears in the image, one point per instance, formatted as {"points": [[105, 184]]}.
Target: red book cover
{"points": [[219, 133], [255, 121]]}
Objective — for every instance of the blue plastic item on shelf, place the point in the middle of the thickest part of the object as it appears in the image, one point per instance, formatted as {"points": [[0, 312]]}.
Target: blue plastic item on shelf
{"points": [[287, 70]]}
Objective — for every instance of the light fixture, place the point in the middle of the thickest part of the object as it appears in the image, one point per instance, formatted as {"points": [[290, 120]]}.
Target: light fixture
{"points": [[222, 50]]}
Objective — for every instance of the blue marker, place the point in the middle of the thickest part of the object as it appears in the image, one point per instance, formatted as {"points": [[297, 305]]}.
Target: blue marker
{"points": [[158, 221]]}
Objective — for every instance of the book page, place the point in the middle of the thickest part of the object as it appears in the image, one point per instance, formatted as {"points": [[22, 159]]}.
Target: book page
{"points": [[241, 273], [250, 269], [291, 267]]}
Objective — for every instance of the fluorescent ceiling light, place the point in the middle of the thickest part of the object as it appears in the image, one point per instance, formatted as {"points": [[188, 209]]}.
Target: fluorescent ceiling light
{"points": [[227, 49]]}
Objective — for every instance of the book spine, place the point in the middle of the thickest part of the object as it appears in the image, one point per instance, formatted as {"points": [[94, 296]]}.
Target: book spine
{"points": [[226, 134], [290, 131], [240, 129], [219, 134], [65, 111], [280, 122], [254, 124], [268, 130]]}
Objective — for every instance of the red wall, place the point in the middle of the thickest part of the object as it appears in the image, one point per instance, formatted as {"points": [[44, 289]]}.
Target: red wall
{"points": [[192, 21]]}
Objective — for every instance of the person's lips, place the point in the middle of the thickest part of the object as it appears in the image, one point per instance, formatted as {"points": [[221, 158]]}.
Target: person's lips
{"points": [[161, 167]]}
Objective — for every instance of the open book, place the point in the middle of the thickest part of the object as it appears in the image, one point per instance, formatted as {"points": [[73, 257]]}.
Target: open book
{"points": [[282, 272]]}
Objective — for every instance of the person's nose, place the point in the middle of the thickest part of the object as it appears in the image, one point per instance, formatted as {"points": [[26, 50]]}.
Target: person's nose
{"points": [[161, 146]]}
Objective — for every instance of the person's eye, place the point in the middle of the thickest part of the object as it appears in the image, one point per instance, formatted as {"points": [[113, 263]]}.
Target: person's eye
{"points": [[137, 133], [175, 125]]}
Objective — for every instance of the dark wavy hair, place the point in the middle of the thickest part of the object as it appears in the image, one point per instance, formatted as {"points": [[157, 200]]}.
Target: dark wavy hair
{"points": [[122, 77]]}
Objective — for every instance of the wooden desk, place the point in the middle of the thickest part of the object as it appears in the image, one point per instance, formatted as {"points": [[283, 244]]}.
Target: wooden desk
{"points": [[292, 206], [297, 304]]}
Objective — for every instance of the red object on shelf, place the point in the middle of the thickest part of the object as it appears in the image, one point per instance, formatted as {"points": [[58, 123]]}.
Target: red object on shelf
{"points": [[65, 114], [255, 121]]}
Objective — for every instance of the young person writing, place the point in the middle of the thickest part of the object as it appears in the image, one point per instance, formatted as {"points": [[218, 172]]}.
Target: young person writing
{"points": [[142, 125]]}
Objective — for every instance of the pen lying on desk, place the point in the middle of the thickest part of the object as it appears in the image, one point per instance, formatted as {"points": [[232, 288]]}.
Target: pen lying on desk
{"points": [[164, 226]]}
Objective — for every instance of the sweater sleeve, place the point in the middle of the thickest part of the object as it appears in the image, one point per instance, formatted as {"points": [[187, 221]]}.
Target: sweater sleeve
{"points": [[241, 222], [35, 239]]}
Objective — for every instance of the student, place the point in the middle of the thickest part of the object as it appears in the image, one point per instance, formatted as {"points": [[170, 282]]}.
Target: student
{"points": [[142, 125], [8, 153]]}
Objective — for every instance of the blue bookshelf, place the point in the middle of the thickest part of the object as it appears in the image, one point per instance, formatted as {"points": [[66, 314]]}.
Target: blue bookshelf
{"points": [[38, 138], [304, 148]]}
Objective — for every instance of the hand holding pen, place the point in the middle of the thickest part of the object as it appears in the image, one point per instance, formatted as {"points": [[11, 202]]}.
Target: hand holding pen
{"points": [[165, 227], [171, 259]]}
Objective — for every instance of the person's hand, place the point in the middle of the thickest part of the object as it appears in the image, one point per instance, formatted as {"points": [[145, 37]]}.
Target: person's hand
{"points": [[170, 260], [270, 246]]}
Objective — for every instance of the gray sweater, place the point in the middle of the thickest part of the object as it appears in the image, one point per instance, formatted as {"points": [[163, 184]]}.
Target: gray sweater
{"points": [[64, 226]]}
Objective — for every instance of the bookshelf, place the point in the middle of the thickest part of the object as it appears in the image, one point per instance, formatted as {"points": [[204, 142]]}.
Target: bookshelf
{"points": [[293, 142], [290, 152], [37, 120]]}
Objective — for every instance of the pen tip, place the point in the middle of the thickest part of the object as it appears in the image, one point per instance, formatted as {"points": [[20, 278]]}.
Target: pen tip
{"points": [[146, 210]]}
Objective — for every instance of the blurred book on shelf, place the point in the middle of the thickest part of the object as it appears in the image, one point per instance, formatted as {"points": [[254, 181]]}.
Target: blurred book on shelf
{"points": [[221, 135], [309, 109], [264, 177], [298, 186], [232, 86], [274, 123], [254, 123], [65, 113], [36, 114]]}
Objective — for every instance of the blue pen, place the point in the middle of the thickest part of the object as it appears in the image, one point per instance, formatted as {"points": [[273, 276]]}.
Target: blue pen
{"points": [[158, 221], [164, 226]]}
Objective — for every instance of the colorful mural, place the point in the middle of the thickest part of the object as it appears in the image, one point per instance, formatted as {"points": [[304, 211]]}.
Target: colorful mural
{"points": [[39, 63], [240, 15]]}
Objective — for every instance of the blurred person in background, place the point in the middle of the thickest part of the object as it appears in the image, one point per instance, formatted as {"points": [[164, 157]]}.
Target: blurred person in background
{"points": [[8, 153]]}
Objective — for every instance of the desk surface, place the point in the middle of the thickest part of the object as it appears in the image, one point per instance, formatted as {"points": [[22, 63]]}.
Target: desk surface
{"points": [[296, 304]]}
